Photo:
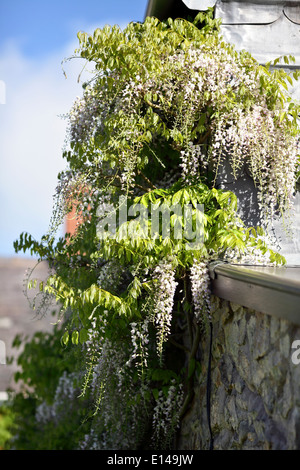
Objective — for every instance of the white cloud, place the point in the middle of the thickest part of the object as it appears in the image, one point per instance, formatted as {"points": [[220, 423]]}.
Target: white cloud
{"points": [[32, 135], [31, 139]]}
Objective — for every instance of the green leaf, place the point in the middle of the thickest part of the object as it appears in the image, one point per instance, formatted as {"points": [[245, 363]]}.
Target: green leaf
{"points": [[75, 337], [65, 338], [177, 197], [83, 335]]}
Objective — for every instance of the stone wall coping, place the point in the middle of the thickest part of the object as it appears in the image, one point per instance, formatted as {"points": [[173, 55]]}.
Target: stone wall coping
{"points": [[266, 289]]}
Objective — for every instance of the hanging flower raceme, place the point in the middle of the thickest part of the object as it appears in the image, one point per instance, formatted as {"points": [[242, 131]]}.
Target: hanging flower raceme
{"points": [[255, 141], [200, 286], [166, 416], [140, 340], [165, 287], [84, 115]]}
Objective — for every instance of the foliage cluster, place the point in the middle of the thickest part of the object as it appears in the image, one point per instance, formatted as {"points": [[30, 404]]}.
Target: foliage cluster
{"points": [[167, 104]]}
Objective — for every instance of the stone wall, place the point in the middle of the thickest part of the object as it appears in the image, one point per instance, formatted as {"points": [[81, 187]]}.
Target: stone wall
{"points": [[255, 387]]}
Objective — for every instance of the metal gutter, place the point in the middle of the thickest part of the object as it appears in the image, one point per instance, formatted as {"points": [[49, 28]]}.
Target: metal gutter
{"points": [[159, 8], [270, 290], [164, 9]]}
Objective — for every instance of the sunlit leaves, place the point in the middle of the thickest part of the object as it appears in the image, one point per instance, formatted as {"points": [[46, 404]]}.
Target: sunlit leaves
{"points": [[154, 98]]}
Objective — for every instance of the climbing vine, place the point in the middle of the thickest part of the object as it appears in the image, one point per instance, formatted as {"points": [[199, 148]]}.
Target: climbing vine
{"points": [[166, 105]]}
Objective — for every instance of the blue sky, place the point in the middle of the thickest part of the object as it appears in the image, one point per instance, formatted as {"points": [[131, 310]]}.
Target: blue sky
{"points": [[35, 36]]}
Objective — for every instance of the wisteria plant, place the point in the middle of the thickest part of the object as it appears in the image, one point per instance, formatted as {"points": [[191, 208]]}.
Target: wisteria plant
{"points": [[167, 104]]}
